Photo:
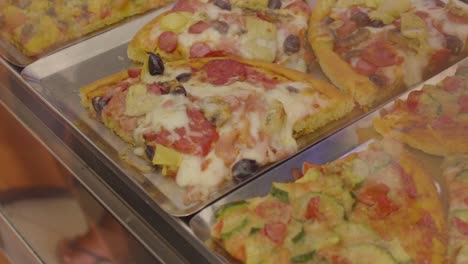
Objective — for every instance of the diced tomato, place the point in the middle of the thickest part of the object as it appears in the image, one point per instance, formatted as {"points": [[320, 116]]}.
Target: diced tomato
{"points": [[199, 50], [168, 41], [224, 71], [307, 165], [276, 231], [375, 196], [347, 28], [186, 6], [299, 5], [273, 211], [427, 221], [408, 184], [463, 103], [381, 54], [155, 88], [457, 19], [365, 68], [413, 100], [218, 227], [134, 73], [198, 27], [421, 14], [439, 59], [443, 121], [197, 143], [313, 209], [256, 77], [461, 225], [453, 83]]}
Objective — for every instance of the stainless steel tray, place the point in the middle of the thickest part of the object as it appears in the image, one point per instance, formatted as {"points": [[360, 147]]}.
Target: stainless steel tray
{"points": [[16, 57], [348, 140]]}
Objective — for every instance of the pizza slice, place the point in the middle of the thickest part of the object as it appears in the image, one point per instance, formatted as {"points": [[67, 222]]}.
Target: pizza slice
{"points": [[455, 172], [374, 206], [370, 48], [271, 31], [433, 119], [38, 26], [207, 120]]}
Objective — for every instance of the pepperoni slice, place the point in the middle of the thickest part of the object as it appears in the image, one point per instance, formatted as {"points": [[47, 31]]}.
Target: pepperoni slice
{"points": [[224, 71], [346, 30], [186, 6], [313, 209], [461, 225], [199, 49], [276, 232], [198, 27], [457, 19], [168, 41], [381, 54], [463, 103], [375, 196], [365, 68], [256, 77], [413, 100], [134, 73], [453, 83], [274, 211], [197, 140]]}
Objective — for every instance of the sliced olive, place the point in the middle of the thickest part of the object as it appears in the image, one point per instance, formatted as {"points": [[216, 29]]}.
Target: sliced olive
{"points": [[221, 26], [361, 19], [179, 89], [155, 64], [184, 77], [99, 103], [223, 4], [244, 168], [357, 37], [292, 44], [454, 44], [378, 80], [149, 150], [377, 23], [274, 4]]}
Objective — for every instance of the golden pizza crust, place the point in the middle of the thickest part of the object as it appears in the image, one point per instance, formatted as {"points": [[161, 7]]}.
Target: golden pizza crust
{"points": [[414, 131]]}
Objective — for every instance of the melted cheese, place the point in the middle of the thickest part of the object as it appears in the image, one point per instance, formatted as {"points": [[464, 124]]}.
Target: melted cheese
{"points": [[414, 66], [190, 171]]}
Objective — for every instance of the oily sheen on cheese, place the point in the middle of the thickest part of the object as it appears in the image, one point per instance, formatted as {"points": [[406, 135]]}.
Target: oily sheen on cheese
{"points": [[206, 120]]}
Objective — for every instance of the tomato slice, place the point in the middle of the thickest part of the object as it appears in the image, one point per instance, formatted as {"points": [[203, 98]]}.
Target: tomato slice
{"points": [[274, 211], [224, 71], [375, 196], [381, 54], [461, 225], [413, 100], [198, 142], [276, 231]]}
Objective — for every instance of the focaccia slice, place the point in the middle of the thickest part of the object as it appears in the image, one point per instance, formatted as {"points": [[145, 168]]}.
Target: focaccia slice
{"points": [[271, 31], [374, 206], [371, 48], [433, 119], [206, 120], [39, 26]]}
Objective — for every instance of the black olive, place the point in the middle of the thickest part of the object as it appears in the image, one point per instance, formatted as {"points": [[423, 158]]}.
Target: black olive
{"points": [[244, 168], [291, 44], [149, 150], [184, 77], [361, 19], [221, 26], [454, 44], [155, 64], [179, 89], [292, 89], [274, 4], [223, 4], [377, 23], [99, 103], [378, 80]]}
